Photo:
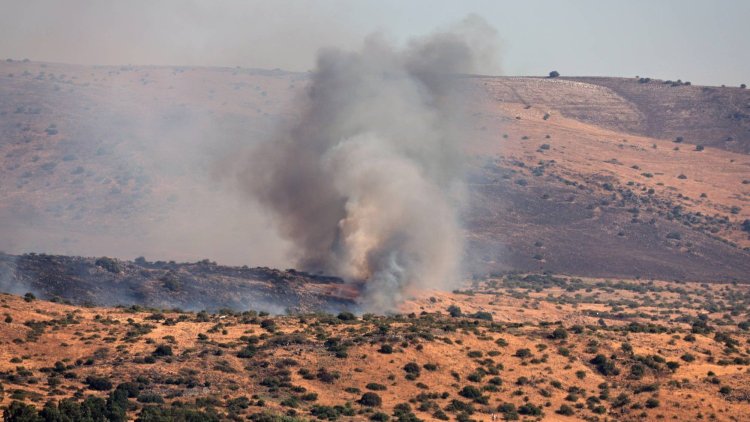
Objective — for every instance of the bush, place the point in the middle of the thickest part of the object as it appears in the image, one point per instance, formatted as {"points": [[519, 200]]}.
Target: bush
{"points": [[268, 325], [522, 353], [605, 366], [109, 264], [621, 400], [370, 399], [379, 417], [560, 333], [470, 392], [637, 371], [485, 316], [565, 410], [386, 349], [162, 350], [440, 415], [20, 412], [98, 383], [554, 74], [375, 386], [160, 413], [150, 398], [454, 311], [346, 316], [412, 368], [247, 352], [130, 389], [530, 409], [326, 376]]}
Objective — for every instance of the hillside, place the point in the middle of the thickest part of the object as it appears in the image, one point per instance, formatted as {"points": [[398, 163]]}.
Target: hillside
{"points": [[702, 115], [202, 285], [718, 117], [579, 176], [505, 348]]}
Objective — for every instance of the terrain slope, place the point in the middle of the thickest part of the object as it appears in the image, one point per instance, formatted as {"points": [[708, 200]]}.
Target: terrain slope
{"points": [[602, 177]]}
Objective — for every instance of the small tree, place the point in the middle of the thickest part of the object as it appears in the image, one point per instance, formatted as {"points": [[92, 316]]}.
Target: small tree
{"points": [[554, 74], [560, 333], [98, 383], [370, 400], [162, 350], [470, 392], [386, 349]]}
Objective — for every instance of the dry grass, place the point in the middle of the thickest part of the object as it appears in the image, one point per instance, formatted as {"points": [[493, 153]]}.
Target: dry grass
{"points": [[597, 317]]}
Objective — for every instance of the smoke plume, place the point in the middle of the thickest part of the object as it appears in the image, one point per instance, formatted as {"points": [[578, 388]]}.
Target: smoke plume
{"points": [[367, 182]]}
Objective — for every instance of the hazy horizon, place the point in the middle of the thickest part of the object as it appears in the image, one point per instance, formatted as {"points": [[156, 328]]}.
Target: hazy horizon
{"points": [[697, 41]]}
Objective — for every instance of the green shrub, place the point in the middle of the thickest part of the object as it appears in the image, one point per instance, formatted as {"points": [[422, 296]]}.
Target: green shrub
{"points": [[162, 350], [454, 311], [559, 333], [522, 353], [565, 410], [605, 366], [98, 383], [412, 368], [470, 392], [375, 386], [370, 399], [530, 410]]}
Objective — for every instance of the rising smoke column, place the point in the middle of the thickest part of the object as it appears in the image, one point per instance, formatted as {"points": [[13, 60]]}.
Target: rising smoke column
{"points": [[367, 182]]}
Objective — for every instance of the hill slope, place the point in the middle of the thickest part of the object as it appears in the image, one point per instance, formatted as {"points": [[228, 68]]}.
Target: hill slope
{"points": [[578, 175], [558, 349]]}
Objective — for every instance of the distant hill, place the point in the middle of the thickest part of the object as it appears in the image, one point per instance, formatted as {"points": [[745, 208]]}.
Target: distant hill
{"points": [[581, 176], [701, 115]]}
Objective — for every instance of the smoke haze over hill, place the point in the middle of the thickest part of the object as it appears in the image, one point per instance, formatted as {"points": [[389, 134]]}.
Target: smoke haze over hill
{"points": [[366, 184]]}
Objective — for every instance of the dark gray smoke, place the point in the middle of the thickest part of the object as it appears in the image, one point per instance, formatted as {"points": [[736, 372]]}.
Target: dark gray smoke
{"points": [[368, 182]]}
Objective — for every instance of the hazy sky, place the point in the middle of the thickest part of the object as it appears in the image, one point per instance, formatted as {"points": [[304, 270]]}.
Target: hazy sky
{"points": [[705, 42]]}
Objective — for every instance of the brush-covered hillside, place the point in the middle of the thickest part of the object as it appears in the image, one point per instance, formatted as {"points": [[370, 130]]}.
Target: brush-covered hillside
{"points": [[522, 347], [584, 176], [634, 192]]}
